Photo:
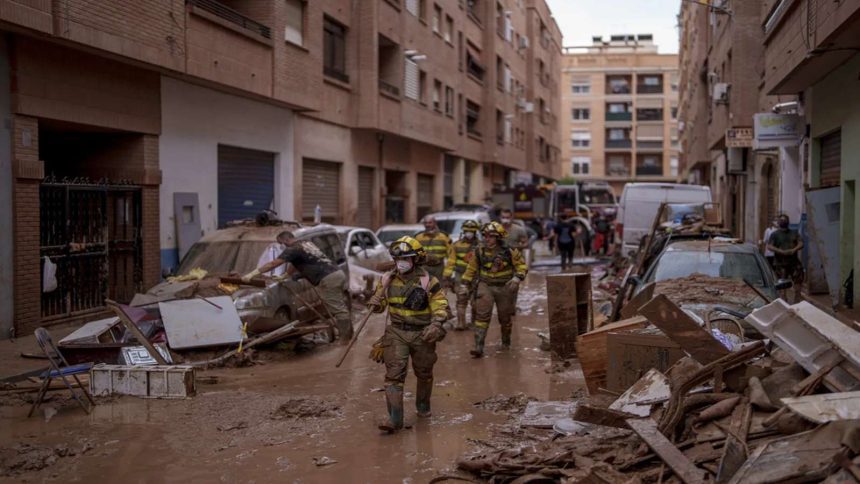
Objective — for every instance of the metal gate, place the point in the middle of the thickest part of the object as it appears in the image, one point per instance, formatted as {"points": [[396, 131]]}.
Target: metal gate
{"points": [[246, 183], [321, 186], [425, 195], [93, 234], [364, 216], [831, 159]]}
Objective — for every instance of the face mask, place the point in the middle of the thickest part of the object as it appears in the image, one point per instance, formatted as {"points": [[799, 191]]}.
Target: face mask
{"points": [[404, 266], [469, 235], [506, 220]]}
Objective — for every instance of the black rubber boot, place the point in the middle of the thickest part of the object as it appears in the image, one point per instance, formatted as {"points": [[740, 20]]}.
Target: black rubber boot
{"points": [[423, 390], [506, 337], [480, 336], [394, 402]]}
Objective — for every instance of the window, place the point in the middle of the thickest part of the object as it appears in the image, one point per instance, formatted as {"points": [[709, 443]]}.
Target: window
{"points": [[580, 86], [473, 8], [474, 66], [411, 84], [617, 134], [422, 87], [500, 74], [617, 107], [449, 29], [580, 139], [412, 7], [674, 112], [500, 127], [334, 50], [673, 166], [294, 32], [473, 118], [649, 114], [580, 114], [449, 102], [437, 96], [437, 19], [508, 79], [618, 84], [580, 165]]}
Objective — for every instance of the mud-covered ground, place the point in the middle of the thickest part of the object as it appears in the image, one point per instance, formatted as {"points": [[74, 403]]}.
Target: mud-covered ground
{"points": [[296, 418]]}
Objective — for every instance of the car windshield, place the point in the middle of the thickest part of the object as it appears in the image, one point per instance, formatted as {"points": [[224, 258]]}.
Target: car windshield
{"points": [[731, 265], [224, 257], [597, 196], [450, 226], [387, 236]]}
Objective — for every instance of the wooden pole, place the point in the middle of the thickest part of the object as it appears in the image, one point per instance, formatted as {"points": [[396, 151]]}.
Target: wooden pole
{"points": [[133, 329]]}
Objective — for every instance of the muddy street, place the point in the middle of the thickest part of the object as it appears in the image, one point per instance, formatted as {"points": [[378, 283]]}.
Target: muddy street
{"points": [[294, 418]]}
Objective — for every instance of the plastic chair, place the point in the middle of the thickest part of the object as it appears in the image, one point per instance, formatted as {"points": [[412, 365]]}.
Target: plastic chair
{"points": [[60, 368]]}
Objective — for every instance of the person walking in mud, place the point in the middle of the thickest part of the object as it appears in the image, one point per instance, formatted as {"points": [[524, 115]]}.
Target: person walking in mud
{"points": [[417, 307], [499, 270], [437, 244], [461, 253], [310, 263], [786, 245]]}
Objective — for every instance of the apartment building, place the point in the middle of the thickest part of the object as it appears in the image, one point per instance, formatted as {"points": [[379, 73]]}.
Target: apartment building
{"points": [[619, 111], [135, 127], [810, 54]]}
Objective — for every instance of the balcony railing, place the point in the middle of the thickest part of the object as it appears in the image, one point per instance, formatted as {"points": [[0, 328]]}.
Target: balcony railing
{"points": [[618, 143], [224, 12], [649, 170], [649, 145], [618, 169], [389, 88], [619, 116], [649, 89]]}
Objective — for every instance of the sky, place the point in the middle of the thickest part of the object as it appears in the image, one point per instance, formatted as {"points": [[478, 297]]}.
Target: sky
{"points": [[579, 20]]}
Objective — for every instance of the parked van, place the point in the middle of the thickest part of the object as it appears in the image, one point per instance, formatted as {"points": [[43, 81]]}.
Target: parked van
{"points": [[641, 201]]}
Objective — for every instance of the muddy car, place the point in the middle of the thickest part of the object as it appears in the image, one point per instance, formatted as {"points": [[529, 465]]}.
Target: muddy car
{"points": [[240, 249]]}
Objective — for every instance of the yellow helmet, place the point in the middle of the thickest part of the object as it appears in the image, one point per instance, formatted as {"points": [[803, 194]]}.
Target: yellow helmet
{"points": [[407, 246], [470, 226], [494, 228]]}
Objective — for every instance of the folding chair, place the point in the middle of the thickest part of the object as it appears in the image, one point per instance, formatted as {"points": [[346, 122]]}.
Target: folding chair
{"points": [[60, 368]]}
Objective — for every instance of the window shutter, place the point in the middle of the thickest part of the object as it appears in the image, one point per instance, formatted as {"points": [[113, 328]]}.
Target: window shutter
{"points": [[507, 130], [293, 32], [411, 87], [507, 79], [509, 30], [412, 7]]}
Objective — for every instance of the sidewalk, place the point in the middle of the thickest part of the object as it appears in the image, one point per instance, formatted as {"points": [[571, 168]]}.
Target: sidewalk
{"points": [[851, 317]]}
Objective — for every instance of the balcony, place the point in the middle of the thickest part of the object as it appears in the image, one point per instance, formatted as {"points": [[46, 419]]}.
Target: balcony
{"points": [[336, 74], [389, 89], [618, 143], [649, 144], [649, 170], [619, 116], [226, 13], [649, 89], [618, 167]]}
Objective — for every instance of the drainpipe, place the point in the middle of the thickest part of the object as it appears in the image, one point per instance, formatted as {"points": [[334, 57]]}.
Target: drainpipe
{"points": [[380, 140]]}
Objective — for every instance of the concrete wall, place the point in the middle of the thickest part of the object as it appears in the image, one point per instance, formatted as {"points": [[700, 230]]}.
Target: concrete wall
{"points": [[836, 105], [195, 120], [7, 237]]}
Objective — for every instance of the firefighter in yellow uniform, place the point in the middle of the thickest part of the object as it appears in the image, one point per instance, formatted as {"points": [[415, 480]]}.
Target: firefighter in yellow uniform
{"points": [[459, 256], [437, 244], [499, 270], [417, 307]]}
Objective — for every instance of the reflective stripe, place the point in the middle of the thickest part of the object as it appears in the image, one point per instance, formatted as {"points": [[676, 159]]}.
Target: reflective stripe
{"points": [[409, 312], [482, 324]]}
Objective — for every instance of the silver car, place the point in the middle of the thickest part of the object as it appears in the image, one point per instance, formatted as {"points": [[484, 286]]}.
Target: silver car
{"points": [[240, 249]]}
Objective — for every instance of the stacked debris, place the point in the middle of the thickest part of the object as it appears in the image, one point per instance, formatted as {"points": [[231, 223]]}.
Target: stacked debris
{"points": [[782, 409]]}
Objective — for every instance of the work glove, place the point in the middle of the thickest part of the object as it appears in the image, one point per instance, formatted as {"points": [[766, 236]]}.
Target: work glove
{"points": [[247, 277], [513, 284], [377, 351], [433, 333], [375, 301]]}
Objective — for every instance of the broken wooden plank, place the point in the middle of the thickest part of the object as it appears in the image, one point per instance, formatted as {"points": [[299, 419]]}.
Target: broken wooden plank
{"points": [[682, 329], [632, 353], [677, 461], [601, 416], [631, 309], [827, 407], [266, 338], [735, 451], [562, 314]]}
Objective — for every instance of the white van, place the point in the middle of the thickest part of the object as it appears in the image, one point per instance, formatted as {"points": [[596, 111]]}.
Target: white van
{"points": [[641, 201]]}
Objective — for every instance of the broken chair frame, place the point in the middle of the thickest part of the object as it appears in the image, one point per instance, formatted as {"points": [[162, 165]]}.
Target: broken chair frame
{"points": [[60, 368]]}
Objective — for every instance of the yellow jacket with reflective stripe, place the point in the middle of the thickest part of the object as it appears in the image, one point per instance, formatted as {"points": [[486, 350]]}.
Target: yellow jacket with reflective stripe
{"points": [[496, 266], [436, 244], [399, 288], [459, 256]]}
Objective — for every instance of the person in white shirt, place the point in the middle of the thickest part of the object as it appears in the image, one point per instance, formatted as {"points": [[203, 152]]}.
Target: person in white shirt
{"points": [[768, 254]]}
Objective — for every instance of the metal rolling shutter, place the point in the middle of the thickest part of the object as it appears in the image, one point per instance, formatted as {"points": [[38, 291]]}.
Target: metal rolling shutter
{"points": [[411, 80], [425, 195], [364, 217], [831, 159], [321, 186], [246, 183]]}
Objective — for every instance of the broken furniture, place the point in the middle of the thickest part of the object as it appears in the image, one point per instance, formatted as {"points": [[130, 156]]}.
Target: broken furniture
{"points": [[60, 368], [570, 311], [593, 354], [171, 381], [194, 323], [632, 353]]}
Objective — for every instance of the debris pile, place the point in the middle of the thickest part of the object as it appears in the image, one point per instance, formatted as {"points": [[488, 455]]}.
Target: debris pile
{"points": [[783, 408]]}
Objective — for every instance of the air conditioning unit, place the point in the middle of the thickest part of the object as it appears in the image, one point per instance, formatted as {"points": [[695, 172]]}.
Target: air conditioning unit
{"points": [[524, 42], [529, 107], [721, 92]]}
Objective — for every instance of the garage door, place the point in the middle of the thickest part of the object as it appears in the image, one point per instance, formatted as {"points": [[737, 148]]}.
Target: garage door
{"points": [[321, 186], [364, 217], [831, 159], [425, 195], [246, 183]]}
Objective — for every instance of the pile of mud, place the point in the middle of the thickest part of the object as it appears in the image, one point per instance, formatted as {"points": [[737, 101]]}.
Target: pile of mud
{"points": [[23, 458], [306, 407], [504, 404]]}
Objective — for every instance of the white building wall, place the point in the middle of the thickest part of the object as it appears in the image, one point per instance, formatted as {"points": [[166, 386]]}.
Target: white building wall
{"points": [[194, 121], [791, 181]]}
